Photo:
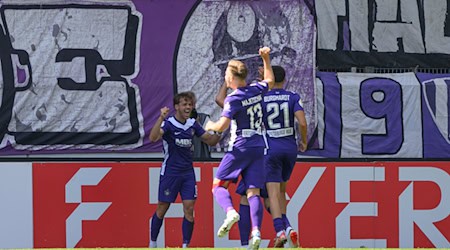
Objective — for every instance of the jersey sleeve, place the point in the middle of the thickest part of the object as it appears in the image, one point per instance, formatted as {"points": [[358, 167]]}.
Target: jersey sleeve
{"points": [[230, 107], [298, 104], [198, 130], [165, 127]]}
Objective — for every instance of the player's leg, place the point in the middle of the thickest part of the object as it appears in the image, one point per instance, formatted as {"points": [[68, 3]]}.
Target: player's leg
{"points": [[157, 221], [288, 167], [292, 235], [256, 216], [229, 169], [273, 168], [273, 189], [168, 190], [244, 223], [220, 192], [188, 195], [188, 221], [255, 180]]}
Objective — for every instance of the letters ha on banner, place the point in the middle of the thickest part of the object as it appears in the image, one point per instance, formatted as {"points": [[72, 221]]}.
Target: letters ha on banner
{"points": [[382, 115], [382, 204]]}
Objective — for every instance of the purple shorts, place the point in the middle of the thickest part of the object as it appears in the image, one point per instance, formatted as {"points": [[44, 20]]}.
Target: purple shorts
{"points": [[170, 186], [248, 162], [242, 190], [279, 165]]}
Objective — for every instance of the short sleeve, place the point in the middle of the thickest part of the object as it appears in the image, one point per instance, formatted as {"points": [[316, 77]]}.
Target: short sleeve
{"points": [[165, 127], [298, 104], [198, 130], [230, 107]]}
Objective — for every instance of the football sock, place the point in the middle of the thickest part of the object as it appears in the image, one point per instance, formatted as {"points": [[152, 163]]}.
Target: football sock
{"points": [[278, 224], [256, 211], [244, 223], [285, 221], [223, 198], [187, 228], [155, 227]]}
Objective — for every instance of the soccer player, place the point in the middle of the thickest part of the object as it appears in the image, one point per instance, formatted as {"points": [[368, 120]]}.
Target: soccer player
{"points": [[281, 107], [281, 171], [243, 108], [177, 172]]}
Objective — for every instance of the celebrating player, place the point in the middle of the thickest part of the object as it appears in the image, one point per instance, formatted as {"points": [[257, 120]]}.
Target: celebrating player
{"points": [[243, 106], [281, 107], [177, 172]]}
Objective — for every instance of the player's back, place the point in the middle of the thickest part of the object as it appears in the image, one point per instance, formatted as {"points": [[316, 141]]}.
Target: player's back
{"points": [[279, 109], [244, 107]]}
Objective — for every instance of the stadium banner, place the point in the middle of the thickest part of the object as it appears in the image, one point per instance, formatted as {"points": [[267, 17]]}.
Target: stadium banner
{"points": [[384, 34], [363, 115], [90, 76], [332, 204]]}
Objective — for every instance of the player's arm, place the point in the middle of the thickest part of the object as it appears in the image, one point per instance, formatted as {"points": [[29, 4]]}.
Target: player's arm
{"points": [[221, 125], [211, 138], [220, 97], [302, 127], [156, 133], [268, 72]]}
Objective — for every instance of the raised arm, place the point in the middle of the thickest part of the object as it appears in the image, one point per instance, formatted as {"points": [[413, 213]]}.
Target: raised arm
{"points": [[156, 133], [268, 72], [302, 127], [220, 97]]}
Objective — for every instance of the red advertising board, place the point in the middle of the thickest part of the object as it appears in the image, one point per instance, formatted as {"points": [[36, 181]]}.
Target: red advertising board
{"points": [[333, 204]]}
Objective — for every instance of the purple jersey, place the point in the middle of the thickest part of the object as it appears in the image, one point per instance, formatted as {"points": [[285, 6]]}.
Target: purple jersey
{"points": [[177, 142], [279, 109], [244, 107]]}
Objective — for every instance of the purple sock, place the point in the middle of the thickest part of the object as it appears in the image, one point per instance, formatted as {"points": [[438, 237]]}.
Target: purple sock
{"points": [[187, 228], [256, 211], [244, 223], [278, 224], [155, 227], [285, 221], [223, 198]]}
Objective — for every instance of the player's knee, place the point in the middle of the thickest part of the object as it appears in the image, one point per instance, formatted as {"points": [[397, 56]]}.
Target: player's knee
{"points": [[243, 200], [252, 192], [188, 212], [219, 183]]}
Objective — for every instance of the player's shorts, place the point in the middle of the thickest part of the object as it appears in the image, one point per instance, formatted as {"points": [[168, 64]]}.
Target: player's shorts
{"points": [[248, 162], [242, 190], [279, 165], [170, 186]]}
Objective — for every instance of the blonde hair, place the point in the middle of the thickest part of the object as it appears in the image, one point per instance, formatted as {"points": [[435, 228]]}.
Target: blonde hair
{"points": [[238, 69]]}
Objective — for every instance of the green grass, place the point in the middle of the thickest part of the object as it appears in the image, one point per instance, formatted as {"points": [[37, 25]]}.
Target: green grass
{"points": [[236, 248]]}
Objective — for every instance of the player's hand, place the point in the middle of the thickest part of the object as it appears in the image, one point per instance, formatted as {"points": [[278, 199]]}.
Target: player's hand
{"points": [[164, 113], [208, 125], [264, 52], [302, 147]]}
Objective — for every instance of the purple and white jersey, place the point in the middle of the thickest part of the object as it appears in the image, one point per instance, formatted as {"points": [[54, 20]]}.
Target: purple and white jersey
{"points": [[244, 107], [177, 142], [279, 108]]}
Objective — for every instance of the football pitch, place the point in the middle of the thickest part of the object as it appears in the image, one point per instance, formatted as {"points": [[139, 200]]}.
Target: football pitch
{"points": [[230, 248]]}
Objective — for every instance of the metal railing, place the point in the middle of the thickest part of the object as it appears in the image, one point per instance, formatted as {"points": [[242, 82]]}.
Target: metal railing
{"points": [[386, 70]]}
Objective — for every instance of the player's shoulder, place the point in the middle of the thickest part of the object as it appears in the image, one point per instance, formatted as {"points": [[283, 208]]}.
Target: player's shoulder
{"points": [[259, 84], [292, 93], [175, 123]]}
